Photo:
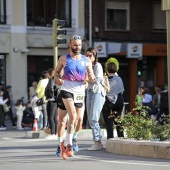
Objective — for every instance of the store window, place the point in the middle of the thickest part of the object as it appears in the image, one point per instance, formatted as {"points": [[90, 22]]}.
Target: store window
{"points": [[2, 69], [41, 13], [159, 17], [2, 11], [117, 13]]}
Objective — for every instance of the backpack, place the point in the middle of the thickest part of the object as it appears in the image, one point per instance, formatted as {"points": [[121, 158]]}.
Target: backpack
{"points": [[49, 91]]}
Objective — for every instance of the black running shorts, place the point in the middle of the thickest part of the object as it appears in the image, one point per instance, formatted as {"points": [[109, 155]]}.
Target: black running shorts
{"points": [[65, 95]]}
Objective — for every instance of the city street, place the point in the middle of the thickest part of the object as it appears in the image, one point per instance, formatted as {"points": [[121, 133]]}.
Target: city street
{"points": [[18, 152]]}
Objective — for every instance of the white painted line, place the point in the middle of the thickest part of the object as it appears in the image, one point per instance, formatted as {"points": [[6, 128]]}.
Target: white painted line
{"points": [[125, 162]]}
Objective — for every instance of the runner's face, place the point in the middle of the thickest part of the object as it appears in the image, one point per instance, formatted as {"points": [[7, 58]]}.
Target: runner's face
{"points": [[75, 46]]}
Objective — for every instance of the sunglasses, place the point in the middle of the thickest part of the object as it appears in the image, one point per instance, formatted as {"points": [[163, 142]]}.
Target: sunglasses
{"points": [[89, 55], [76, 37]]}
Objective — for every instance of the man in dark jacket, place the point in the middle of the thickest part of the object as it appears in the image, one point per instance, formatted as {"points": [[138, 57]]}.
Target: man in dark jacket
{"points": [[164, 101], [7, 96]]}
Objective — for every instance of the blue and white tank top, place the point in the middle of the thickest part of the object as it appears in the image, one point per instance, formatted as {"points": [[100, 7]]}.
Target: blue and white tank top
{"points": [[74, 75], [75, 70]]}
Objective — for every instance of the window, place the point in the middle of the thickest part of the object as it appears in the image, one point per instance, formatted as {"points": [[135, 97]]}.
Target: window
{"points": [[159, 18], [42, 12], [117, 13], [2, 11]]}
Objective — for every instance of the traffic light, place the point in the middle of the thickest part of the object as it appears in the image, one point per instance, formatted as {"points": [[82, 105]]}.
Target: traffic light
{"points": [[141, 67], [57, 31]]}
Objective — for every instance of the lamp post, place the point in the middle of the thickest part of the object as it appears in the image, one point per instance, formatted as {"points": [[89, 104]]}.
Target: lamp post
{"points": [[166, 7], [90, 23]]}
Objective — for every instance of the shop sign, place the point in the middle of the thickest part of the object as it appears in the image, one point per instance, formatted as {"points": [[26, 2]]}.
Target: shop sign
{"points": [[134, 50], [101, 48]]}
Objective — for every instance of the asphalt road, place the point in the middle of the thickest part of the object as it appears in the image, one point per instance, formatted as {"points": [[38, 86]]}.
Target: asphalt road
{"points": [[18, 152]]}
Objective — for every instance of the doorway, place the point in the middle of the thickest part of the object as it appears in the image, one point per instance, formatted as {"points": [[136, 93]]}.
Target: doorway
{"points": [[35, 66]]}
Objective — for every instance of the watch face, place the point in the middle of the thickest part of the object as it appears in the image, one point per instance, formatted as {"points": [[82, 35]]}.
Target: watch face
{"points": [[15, 49]]}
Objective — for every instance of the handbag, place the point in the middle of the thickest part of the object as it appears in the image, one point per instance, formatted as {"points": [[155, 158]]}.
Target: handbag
{"points": [[5, 108], [106, 84], [40, 102]]}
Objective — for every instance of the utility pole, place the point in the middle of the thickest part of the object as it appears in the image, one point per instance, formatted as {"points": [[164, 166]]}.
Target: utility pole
{"points": [[166, 7], [90, 23]]}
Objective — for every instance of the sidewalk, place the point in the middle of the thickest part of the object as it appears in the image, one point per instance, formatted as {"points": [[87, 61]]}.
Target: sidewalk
{"points": [[29, 133], [83, 134]]}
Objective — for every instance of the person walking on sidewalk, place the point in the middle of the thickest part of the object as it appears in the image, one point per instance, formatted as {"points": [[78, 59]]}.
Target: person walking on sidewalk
{"points": [[72, 91], [95, 99]]}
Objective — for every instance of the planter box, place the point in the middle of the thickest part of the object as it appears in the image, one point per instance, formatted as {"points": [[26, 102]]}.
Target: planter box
{"points": [[142, 148]]}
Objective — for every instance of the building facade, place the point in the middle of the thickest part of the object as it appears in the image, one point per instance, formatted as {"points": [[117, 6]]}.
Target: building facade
{"points": [[133, 31], [26, 43]]}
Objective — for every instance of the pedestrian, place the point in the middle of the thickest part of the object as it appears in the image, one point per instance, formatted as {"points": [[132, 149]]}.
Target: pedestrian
{"points": [[164, 103], [8, 95], [19, 112], [40, 90], [72, 84], [32, 90], [147, 101], [37, 110], [156, 98], [51, 96], [95, 99], [114, 103], [28, 116], [139, 100], [2, 102]]}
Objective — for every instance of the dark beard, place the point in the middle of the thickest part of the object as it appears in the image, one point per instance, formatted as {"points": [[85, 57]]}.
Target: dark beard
{"points": [[75, 51]]}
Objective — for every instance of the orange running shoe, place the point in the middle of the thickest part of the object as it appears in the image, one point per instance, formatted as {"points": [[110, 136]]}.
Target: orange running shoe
{"points": [[69, 151], [63, 150]]}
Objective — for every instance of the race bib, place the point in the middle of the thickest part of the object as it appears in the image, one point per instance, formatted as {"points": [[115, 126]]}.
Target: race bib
{"points": [[78, 98]]}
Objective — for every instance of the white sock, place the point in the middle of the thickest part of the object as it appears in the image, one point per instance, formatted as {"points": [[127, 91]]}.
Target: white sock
{"points": [[69, 138]]}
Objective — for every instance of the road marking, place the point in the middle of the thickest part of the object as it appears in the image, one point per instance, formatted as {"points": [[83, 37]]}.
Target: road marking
{"points": [[121, 162]]}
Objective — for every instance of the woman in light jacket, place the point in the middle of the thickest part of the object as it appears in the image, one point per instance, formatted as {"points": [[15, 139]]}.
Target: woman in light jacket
{"points": [[40, 90], [95, 99]]}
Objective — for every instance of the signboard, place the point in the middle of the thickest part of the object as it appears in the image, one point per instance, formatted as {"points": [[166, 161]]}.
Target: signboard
{"points": [[101, 48], [134, 50], [114, 48]]}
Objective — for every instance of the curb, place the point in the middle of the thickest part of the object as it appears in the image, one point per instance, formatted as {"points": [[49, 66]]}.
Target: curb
{"points": [[139, 148], [84, 133]]}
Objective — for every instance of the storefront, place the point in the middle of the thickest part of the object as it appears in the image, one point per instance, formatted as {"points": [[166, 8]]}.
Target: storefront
{"points": [[153, 59]]}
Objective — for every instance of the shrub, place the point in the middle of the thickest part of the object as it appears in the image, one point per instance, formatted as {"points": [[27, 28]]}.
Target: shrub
{"points": [[161, 130], [142, 127]]}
